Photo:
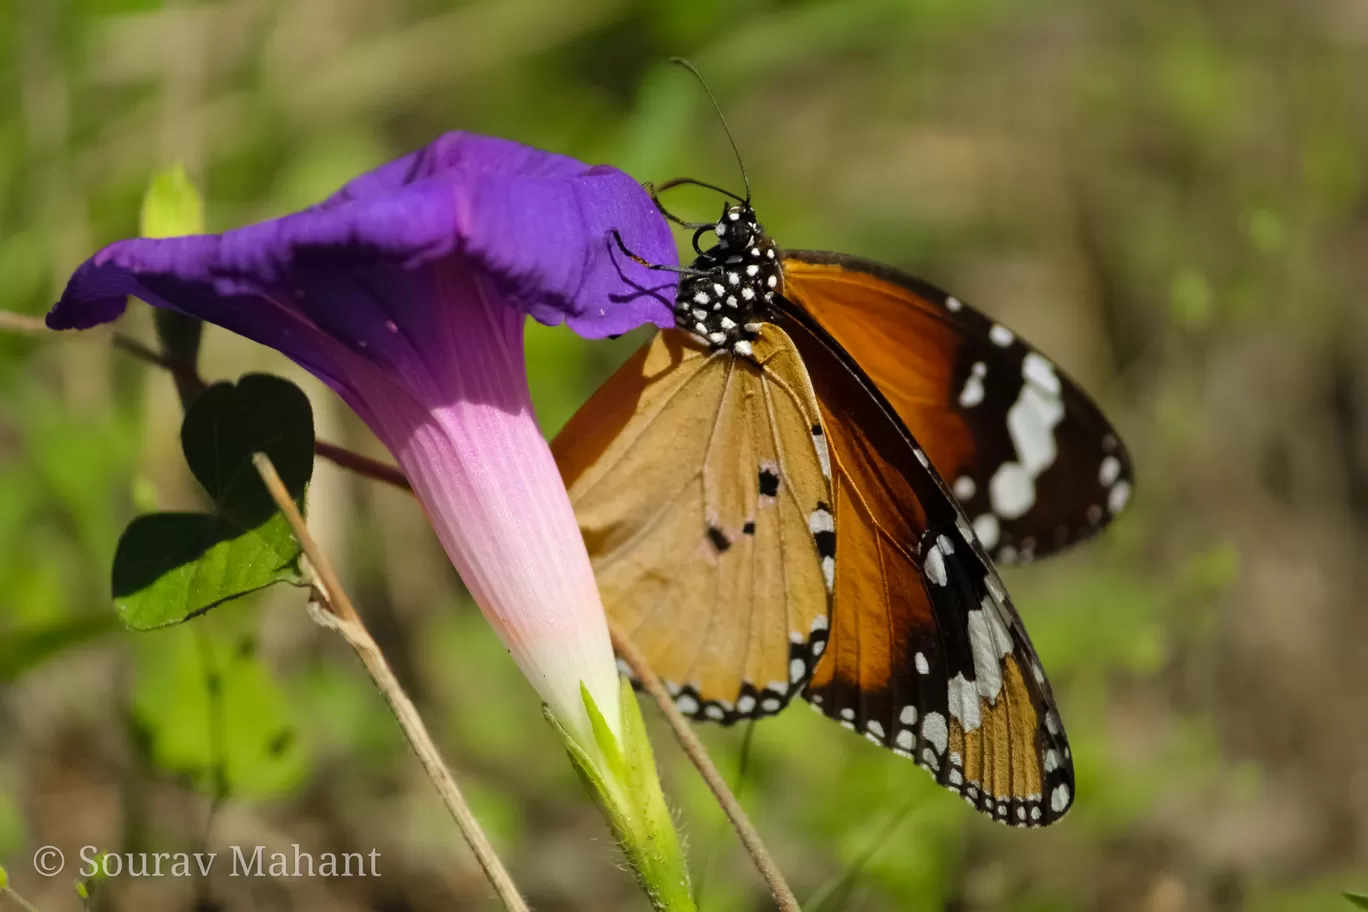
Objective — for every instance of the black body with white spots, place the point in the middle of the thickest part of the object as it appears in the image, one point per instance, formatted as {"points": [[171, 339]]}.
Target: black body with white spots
{"points": [[729, 290]]}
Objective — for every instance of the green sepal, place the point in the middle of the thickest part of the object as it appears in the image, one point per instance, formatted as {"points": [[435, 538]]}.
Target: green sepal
{"points": [[622, 778], [1359, 900]]}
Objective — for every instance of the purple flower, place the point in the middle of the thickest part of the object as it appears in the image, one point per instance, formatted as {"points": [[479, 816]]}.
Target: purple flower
{"points": [[406, 292]]}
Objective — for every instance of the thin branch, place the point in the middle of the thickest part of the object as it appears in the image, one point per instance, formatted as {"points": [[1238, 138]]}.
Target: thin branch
{"points": [[362, 465], [18, 900], [23, 323], [334, 609], [716, 784]]}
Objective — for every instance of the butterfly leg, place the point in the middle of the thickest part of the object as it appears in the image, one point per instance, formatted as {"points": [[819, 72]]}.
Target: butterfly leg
{"points": [[659, 267]]}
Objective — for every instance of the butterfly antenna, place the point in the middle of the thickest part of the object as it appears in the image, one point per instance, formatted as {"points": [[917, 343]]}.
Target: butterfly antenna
{"points": [[745, 179]]}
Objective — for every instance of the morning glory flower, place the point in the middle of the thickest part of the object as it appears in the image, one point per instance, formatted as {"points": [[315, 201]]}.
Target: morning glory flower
{"points": [[406, 292]]}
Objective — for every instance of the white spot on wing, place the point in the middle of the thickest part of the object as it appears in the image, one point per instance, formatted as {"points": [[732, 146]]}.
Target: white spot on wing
{"points": [[820, 520], [935, 731], [1030, 423], [1000, 335], [1037, 369], [908, 716], [1109, 471], [1118, 496], [1059, 798], [953, 304], [904, 739], [972, 394], [964, 487], [935, 566], [1011, 490], [819, 443], [922, 668], [745, 704], [989, 642], [963, 700], [986, 528], [829, 572]]}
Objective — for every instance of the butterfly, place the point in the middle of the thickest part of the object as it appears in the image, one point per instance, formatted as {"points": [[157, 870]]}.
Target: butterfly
{"points": [[801, 490]]}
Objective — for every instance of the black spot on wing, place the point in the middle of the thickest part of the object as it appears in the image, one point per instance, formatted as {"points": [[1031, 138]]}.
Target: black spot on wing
{"points": [[719, 539], [826, 543], [755, 702], [769, 482]]}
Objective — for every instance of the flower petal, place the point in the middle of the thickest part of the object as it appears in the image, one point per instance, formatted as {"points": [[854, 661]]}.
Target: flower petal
{"points": [[537, 223]]}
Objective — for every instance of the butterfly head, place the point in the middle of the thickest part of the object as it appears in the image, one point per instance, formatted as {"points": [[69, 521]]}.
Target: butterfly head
{"points": [[732, 286]]}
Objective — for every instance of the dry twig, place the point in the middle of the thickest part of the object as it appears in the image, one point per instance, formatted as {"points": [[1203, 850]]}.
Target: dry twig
{"points": [[332, 608]]}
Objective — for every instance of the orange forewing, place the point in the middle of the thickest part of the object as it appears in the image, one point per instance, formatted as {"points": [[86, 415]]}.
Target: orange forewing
{"points": [[952, 376]]}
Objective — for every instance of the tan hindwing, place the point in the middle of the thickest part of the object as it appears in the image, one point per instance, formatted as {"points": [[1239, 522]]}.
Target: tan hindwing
{"points": [[701, 483]]}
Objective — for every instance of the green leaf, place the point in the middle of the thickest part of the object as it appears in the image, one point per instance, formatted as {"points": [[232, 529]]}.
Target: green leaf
{"points": [[170, 567], [1358, 900], [172, 206], [32, 645]]}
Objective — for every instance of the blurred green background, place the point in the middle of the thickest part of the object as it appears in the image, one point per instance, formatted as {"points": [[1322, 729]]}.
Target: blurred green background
{"points": [[1170, 198]]}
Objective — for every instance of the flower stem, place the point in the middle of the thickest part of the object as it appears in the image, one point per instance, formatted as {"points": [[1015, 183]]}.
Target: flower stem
{"points": [[332, 608], [17, 899], [698, 754]]}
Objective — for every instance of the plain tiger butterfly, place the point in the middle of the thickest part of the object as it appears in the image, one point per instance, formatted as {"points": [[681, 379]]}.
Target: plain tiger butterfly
{"points": [[801, 489]]}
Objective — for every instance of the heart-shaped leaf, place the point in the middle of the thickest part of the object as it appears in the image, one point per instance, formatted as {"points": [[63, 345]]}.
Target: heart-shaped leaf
{"points": [[170, 567]]}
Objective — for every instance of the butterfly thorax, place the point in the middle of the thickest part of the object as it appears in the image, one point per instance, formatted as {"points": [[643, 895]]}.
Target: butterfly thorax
{"points": [[732, 284]]}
